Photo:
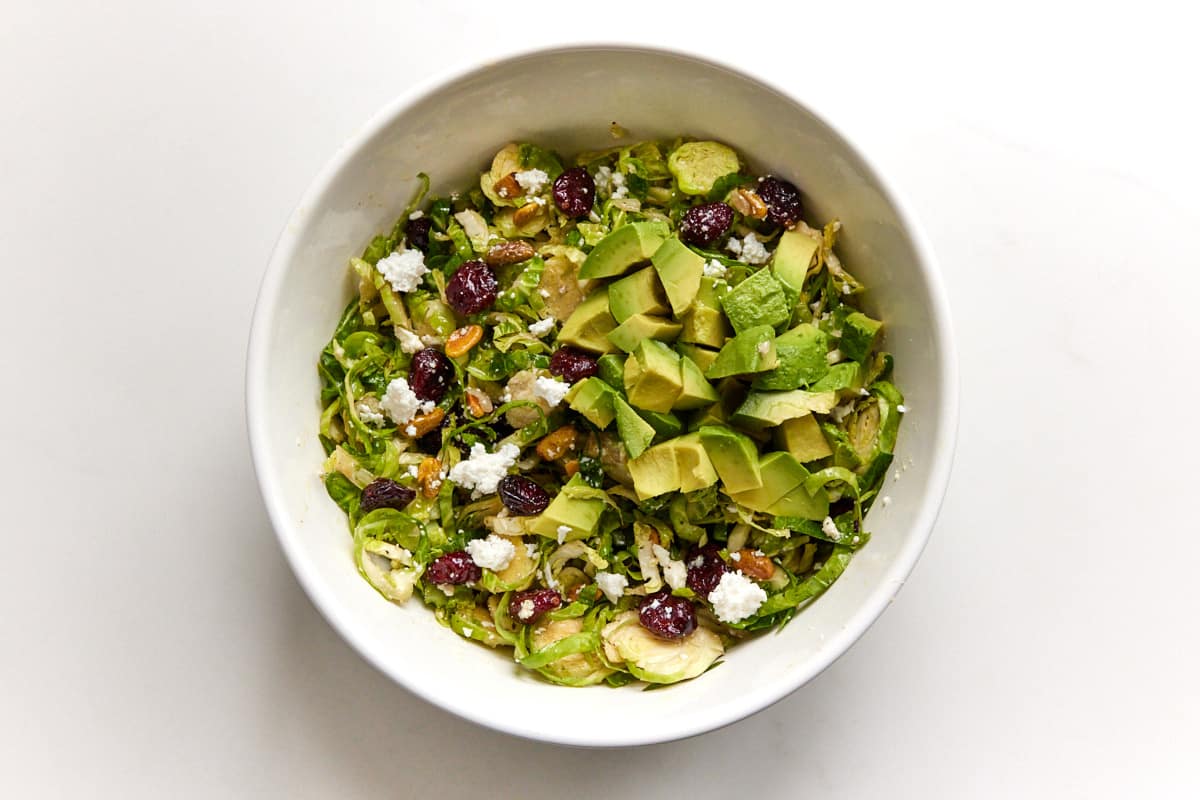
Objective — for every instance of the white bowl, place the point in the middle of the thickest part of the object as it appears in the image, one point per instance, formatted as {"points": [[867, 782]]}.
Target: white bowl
{"points": [[567, 98]]}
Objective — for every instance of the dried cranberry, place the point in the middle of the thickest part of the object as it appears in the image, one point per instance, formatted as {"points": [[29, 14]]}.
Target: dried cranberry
{"points": [[529, 606], [417, 231], [521, 496], [430, 374], [705, 224], [575, 192], [667, 617], [572, 364], [453, 568], [704, 569], [384, 493], [782, 199], [472, 288]]}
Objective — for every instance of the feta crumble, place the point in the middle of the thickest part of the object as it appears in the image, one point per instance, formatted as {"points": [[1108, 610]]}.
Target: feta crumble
{"points": [[562, 531], [409, 341], [494, 552], [612, 584], [403, 269], [483, 470], [413, 471], [673, 572], [416, 214], [411, 430], [763, 347], [531, 549], [830, 529], [533, 181], [748, 249], [401, 404], [544, 292], [369, 415], [526, 611], [903, 409], [736, 597], [619, 188], [551, 390], [714, 269], [542, 326]]}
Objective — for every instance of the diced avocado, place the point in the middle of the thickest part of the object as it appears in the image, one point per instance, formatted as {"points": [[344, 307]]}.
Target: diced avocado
{"points": [[627, 245], [802, 359], [639, 293], [782, 491], [655, 471], [697, 165], [793, 254], [712, 415], [802, 438], [858, 335], [767, 409], [752, 350], [640, 327], [697, 391], [758, 300], [695, 468], [653, 377], [680, 271], [840, 376], [593, 398], [734, 456], [635, 432], [610, 368], [580, 514], [666, 426], [704, 325], [589, 325], [701, 355], [656, 660]]}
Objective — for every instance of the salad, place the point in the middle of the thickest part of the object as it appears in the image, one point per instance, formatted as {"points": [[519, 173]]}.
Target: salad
{"points": [[614, 413]]}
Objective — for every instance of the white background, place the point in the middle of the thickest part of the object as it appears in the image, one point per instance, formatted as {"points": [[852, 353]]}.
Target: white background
{"points": [[152, 640]]}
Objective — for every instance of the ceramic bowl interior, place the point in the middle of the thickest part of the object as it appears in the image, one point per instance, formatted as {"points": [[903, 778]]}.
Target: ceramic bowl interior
{"points": [[567, 99]]}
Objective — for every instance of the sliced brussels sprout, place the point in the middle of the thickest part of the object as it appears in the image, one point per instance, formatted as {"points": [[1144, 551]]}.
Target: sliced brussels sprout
{"points": [[474, 622], [697, 165], [656, 660], [581, 666], [561, 286], [474, 225], [387, 567]]}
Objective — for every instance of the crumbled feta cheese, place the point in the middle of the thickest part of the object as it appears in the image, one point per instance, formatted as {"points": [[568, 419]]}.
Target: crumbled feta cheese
{"points": [[369, 415], [833, 356], [416, 214], [748, 249], [525, 612], [494, 552], [531, 549], [863, 393], [412, 471], [401, 404], [466, 632], [736, 597], [619, 188], [409, 341], [411, 430], [673, 572], [544, 292], [612, 584], [846, 288], [541, 201], [551, 390], [593, 216], [533, 181], [483, 470], [886, 500], [736, 555], [830, 529], [403, 269], [603, 180], [903, 409], [542, 326], [562, 531], [715, 269], [763, 347]]}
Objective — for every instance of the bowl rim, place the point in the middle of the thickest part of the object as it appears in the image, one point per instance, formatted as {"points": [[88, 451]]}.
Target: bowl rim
{"points": [[323, 598]]}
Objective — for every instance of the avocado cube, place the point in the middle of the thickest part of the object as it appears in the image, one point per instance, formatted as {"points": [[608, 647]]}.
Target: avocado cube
{"points": [[734, 456], [802, 438], [593, 398], [580, 514], [635, 432], [641, 327], [666, 426], [704, 325], [858, 335], [589, 325], [655, 471], [712, 415], [793, 255], [680, 271], [696, 470], [840, 376], [610, 368], [653, 376], [618, 251], [767, 409], [758, 300], [783, 488], [752, 350], [802, 359], [701, 355], [697, 391], [639, 293]]}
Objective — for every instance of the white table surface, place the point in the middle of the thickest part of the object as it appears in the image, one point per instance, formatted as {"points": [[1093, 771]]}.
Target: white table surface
{"points": [[153, 642]]}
